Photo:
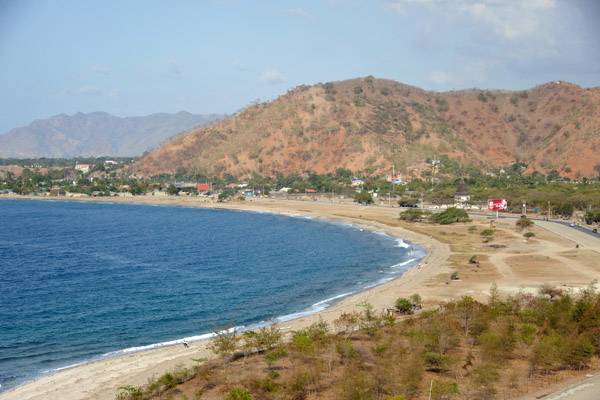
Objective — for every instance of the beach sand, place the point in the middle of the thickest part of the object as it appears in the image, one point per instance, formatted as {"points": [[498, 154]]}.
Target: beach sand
{"points": [[511, 262]]}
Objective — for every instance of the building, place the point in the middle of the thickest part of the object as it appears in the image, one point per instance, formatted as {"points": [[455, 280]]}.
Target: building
{"points": [[204, 187], [85, 168], [462, 194]]}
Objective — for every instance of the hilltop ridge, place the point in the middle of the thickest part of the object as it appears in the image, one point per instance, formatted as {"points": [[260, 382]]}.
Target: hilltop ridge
{"points": [[96, 133], [369, 124]]}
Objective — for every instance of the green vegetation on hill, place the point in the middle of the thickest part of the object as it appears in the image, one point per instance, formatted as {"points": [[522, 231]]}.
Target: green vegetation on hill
{"points": [[537, 191]]}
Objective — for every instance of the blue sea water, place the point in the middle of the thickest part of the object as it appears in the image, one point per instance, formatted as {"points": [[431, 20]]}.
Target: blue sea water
{"points": [[83, 281]]}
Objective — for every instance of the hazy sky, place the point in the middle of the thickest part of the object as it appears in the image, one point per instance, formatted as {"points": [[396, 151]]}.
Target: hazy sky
{"points": [[216, 56]]}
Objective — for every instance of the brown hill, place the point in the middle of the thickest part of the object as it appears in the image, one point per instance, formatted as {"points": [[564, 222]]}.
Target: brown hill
{"points": [[369, 124]]}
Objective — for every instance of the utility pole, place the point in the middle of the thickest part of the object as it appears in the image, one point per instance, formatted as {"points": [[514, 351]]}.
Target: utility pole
{"points": [[549, 212], [433, 164], [393, 175], [524, 207]]}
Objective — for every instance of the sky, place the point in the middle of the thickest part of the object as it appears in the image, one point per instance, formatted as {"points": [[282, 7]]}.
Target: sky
{"points": [[135, 58]]}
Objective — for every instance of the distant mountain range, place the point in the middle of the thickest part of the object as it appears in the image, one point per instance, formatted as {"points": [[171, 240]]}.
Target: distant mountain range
{"points": [[369, 124], [96, 134]]}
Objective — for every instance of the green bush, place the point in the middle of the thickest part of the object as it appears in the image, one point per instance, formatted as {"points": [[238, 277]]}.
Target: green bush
{"points": [[302, 342], [404, 304], [524, 223], [364, 197], [411, 215], [451, 215], [239, 394], [528, 235]]}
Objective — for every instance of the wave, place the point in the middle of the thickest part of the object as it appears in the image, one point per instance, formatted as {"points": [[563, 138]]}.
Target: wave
{"points": [[404, 263], [392, 270]]}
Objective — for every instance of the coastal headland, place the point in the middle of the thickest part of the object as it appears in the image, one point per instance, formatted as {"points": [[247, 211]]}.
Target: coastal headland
{"points": [[512, 262]]}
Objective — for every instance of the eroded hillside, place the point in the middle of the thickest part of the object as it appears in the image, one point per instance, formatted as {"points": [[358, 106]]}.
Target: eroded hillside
{"points": [[369, 124]]}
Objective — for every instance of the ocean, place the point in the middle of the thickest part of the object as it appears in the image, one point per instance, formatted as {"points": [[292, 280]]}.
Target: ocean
{"points": [[85, 281]]}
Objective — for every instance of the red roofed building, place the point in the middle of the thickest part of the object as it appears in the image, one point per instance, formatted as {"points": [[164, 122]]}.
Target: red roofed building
{"points": [[203, 187]]}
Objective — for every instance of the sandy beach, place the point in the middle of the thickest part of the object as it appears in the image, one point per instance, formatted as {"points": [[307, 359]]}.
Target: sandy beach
{"points": [[510, 261]]}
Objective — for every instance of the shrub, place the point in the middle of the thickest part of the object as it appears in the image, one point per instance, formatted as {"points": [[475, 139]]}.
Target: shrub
{"points": [[416, 298], [130, 393], [347, 322], [487, 232], [451, 215], [407, 202], [443, 390], [436, 362], [364, 197], [528, 235], [411, 215], [239, 394], [263, 339], [370, 323], [275, 355], [225, 341], [358, 101], [524, 223], [404, 304], [302, 342]]}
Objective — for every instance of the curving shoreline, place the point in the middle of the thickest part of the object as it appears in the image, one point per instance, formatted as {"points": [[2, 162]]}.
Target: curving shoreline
{"points": [[100, 379], [103, 376]]}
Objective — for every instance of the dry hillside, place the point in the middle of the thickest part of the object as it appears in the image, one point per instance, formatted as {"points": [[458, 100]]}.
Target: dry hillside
{"points": [[369, 124]]}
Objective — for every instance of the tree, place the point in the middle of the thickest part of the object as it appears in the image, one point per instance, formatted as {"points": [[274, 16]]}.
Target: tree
{"points": [[407, 202], [347, 322], [180, 173], [411, 215], [451, 215], [364, 197], [404, 304], [524, 223], [225, 340], [564, 209], [466, 313], [528, 235]]}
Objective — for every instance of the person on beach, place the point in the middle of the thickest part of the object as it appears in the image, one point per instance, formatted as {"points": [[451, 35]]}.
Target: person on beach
{"points": [[185, 344]]}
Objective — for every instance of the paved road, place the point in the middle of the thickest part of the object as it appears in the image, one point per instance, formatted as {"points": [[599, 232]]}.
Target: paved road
{"points": [[586, 238], [578, 235], [588, 390]]}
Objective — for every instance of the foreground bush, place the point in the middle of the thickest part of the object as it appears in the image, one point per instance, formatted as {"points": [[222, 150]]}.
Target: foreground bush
{"points": [[463, 349]]}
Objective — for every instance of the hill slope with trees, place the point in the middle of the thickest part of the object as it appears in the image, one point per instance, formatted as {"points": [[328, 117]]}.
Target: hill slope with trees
{"points": [[371, 125]]}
